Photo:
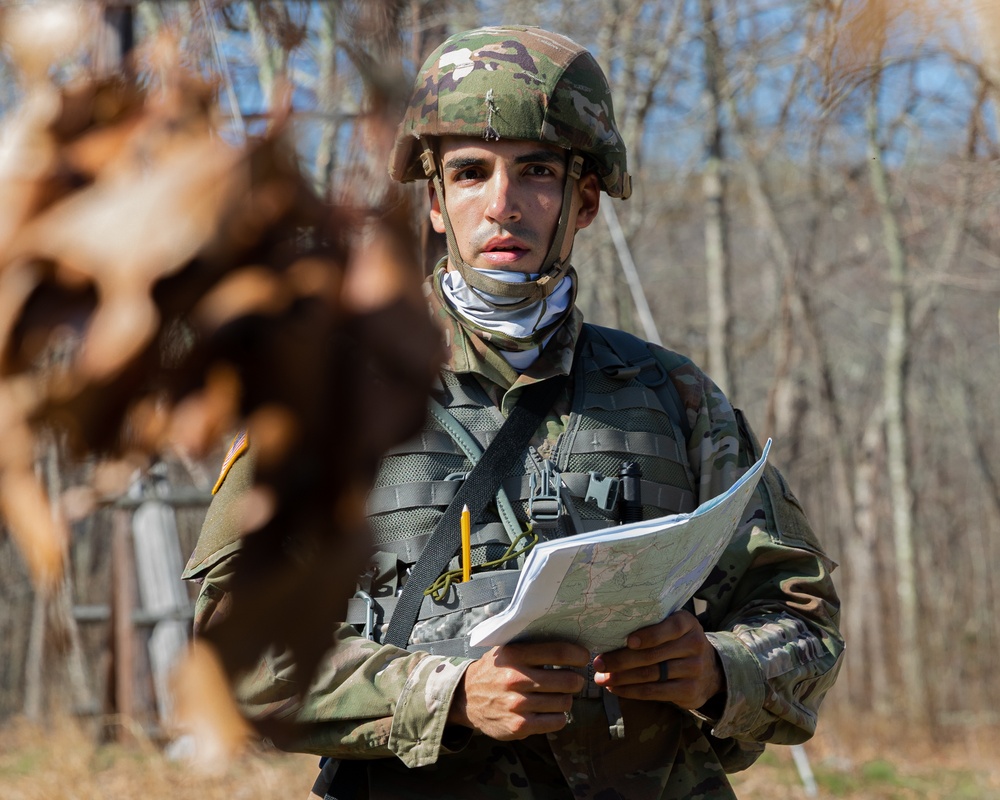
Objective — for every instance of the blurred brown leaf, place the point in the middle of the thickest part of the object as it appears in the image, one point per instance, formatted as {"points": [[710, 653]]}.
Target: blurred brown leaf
{"points": [[205, 704], [38, 36], [159, 288], [864, 35], [41, 536]]}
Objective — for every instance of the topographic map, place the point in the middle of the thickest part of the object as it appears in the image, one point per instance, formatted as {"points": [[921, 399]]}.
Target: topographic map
{"points": [[597, 588]]}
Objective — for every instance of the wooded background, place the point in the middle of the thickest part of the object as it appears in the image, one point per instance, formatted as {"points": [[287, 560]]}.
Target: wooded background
{"points": [[814, 222]]}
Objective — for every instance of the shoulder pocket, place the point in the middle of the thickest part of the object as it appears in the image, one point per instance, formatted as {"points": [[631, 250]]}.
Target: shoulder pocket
{"points": [[789, 518]]}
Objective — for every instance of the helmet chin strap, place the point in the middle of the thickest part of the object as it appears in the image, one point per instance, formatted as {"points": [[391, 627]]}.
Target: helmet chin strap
{"points": [[553, 268]]}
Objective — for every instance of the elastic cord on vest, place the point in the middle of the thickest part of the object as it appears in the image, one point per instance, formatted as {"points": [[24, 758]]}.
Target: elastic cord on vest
{"points": [[553, 268]]}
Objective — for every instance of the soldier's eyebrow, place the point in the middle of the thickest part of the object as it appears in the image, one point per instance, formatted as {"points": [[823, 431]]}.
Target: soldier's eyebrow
{"points": [[540, 156], [463, 162]]}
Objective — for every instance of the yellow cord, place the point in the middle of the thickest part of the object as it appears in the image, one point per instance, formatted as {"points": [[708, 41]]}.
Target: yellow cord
{"points": [[439, 589]]}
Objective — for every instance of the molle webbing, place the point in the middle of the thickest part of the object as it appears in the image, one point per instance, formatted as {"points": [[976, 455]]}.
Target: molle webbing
{"points": [[625, 407], [440, 493], [483, 588], [624, 356], [489, 537], [476, 492]]}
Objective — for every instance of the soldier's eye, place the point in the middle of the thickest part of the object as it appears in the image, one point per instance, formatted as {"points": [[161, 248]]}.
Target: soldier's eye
{"points": [[467, 174], [540, 170]]}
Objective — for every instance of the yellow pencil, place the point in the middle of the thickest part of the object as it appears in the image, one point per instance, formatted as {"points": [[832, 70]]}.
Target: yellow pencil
{"points": [[466, 544]]}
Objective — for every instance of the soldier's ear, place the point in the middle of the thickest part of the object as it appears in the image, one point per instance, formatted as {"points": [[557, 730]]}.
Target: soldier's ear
{"points": [[588, 190], [437, 219]]}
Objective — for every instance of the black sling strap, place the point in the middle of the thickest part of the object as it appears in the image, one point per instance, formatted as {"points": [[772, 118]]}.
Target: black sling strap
{"points": [[478, 489]]}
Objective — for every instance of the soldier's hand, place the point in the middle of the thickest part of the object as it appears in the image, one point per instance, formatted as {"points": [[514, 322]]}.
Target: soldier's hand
{"points": [[670, 661], [509, 694]]}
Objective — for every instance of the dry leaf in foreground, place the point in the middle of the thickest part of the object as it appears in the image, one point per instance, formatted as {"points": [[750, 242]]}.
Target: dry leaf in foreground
{"points": [[206, 706], [160, 286]]}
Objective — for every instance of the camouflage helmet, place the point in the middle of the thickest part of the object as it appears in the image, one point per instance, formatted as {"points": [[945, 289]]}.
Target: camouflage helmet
{"points": [[514, 82]]}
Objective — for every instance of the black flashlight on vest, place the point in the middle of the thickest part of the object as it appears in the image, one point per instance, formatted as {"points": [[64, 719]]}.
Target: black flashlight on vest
{"points": [[629, 492]]}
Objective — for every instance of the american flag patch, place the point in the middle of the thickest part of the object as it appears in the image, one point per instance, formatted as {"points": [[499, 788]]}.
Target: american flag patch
{"points": [[236, 449]]}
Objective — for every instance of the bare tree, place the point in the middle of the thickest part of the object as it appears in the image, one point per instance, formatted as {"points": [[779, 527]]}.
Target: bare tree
{"points": [[717, 261]]}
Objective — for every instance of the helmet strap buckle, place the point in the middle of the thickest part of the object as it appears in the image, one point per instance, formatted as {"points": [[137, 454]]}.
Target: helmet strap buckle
{"points": [[554, 272], [575, 167], [427, 158]]}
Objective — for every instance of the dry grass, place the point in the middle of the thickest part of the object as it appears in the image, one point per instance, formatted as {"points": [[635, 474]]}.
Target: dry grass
{"points": [[878, 759], [65, 761], [860, 761]]}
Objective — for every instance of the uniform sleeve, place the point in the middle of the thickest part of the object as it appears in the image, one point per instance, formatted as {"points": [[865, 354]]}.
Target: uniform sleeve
{"points": [[366, 701], [772, 610]]}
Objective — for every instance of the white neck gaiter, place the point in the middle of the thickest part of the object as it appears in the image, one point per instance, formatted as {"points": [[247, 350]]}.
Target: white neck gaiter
{"points": [[524, 331]]}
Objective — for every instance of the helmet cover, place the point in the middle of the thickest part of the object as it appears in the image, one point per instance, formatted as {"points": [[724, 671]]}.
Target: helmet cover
{"points": [[514, 82]]}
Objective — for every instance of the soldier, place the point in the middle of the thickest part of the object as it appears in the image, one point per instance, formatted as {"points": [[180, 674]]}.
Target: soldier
{"points": [[514, 130]]}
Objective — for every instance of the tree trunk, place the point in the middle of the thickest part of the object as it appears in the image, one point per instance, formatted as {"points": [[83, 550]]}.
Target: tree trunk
{"points": [[265, 56], [864, 617], [328, 97], [988, 15], [717, 260], [897, 445]]}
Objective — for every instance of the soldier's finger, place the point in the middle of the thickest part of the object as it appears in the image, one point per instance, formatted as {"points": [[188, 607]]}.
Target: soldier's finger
{"points": [[673, 627], [673, 668], [549, 723], [530, 724], [626, 659], [547, 703], [682, 692], [536, 679], [563, 681], [560, 654]]}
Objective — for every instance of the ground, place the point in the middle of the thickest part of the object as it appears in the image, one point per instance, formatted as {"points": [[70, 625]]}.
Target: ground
{"points": [[63, 760]]}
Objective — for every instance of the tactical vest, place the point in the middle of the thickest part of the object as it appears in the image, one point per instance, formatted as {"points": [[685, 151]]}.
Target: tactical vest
{"points": [[624, 408]]}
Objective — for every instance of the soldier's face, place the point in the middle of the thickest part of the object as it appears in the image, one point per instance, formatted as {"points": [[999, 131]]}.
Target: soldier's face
{"points": [[504, 199]]}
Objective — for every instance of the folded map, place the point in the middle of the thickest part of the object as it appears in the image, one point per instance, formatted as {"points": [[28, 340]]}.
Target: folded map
{"points": [[597, 588]]}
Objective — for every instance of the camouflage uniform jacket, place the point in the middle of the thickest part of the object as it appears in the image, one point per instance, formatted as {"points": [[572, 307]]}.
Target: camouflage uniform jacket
{"points": [[770, 608]]}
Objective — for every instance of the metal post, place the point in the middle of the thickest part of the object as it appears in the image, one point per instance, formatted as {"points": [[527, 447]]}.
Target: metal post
{"points": [[123, 604], [631, 273], [805, 771]]}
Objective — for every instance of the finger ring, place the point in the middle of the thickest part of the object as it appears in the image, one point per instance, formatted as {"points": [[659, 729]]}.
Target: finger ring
{"points": [[664, 672]]}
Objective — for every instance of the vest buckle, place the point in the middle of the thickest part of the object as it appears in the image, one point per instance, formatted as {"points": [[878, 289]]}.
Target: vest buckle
{"points": [[544, 502], [603, 491], [369, 629]]}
